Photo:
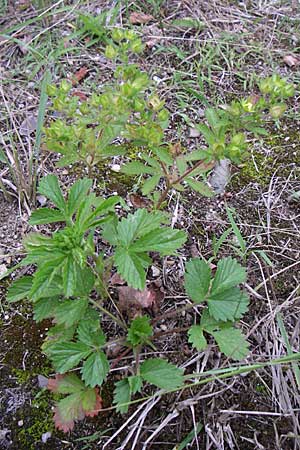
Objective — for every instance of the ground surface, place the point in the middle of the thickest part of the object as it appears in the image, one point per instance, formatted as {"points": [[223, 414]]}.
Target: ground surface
{"points": [[221, 55]]}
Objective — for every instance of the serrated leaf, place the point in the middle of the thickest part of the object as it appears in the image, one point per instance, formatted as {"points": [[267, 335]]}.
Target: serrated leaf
{"points": [[77, 194], [229, 274], [65, 384], [200, 187], [70, 312], [161, 373], [131, 268], [46, 215], [67, 411], [232, 343], [197, 279], [196, 337], [139, 331], [122, 395], [44, 308], [228, 305], [43, 278], [150, 184], [90, 333], [165, 241], [66, 355], [19, 289], [95, 369], [135, 383], [50, 188]]}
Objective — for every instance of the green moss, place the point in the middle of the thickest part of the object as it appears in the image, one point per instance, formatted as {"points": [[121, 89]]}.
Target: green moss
{"points": [[281, 151], [37, 419]]}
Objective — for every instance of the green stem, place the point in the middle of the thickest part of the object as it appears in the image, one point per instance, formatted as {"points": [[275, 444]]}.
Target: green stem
{"points": [[109, 314]]}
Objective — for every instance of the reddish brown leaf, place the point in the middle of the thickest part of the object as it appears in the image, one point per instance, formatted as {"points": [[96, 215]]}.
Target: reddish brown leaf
{"points": [[137, 18], [139, 202], [80, 94], [60, 424], [79, 75], [132, 301], [53, 383], [98, 405], [116, 279], [291, 60]]}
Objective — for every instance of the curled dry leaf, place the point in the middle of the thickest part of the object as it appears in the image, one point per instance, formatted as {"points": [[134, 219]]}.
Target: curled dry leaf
{"points": [[137, 18], [116, 279], [132, 301], [291, 60], [79, 75]]}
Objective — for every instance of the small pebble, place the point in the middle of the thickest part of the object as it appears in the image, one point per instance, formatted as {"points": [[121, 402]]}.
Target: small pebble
{"points": [[20, 423]]}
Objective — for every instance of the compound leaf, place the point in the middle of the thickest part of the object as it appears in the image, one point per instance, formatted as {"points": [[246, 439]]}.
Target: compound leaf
{"points": [[70, 312]]}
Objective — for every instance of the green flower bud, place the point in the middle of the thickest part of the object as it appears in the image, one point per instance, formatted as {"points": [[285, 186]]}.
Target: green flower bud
{"points": [[51, 90], [117, 35], [111, 52], [278, 110], [136, 46], [65, 86]]}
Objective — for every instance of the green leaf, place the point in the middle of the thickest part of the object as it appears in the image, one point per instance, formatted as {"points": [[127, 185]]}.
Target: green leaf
{"points": [[95, 369], [200, 187], [228, 305], [131, 268], [140, 330], [135, 383], [90, 333], [46, 215], [232, 343], [122, 395], [150, 184], [197, 279], [123, 391], [70, 312], [138, 168], [19, 289], [44, 308], [161, 373], [43, 278], [49, 187], [66, 384], [66, 355], [165, 241], [229, 274], [196, 337], [77, 281], [77, 194]]}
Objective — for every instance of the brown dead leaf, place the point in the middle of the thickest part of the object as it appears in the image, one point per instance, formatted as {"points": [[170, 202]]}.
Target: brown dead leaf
{"points": [[137, 18], [28, 125], [132, 301], [79, 75], [291, 60], [139, 202], [80, 94], [116, 279]]}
